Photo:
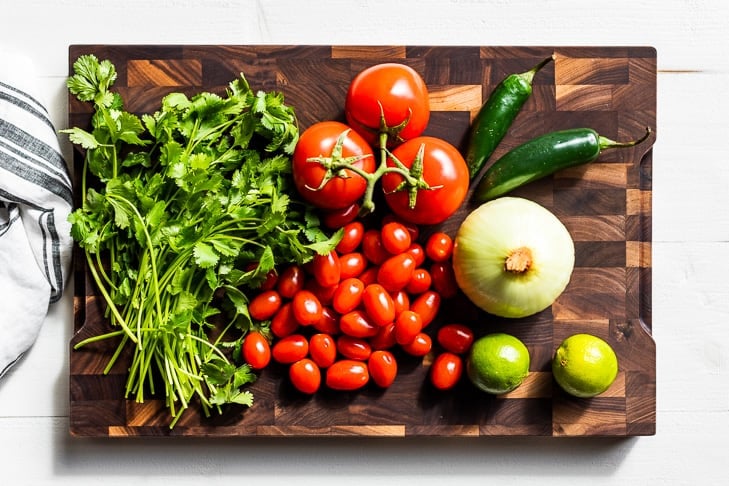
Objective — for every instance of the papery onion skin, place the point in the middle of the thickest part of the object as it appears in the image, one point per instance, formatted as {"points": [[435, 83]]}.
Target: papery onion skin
{"points": [[490, 234]]}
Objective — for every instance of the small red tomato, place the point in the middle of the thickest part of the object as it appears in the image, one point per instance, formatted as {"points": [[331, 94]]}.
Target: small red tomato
{"points": [[353, 348], [395, 237], [348, 295], [407, 326], [419, 281], [329, 322], [322, 350], [439, 247], [446, 370], [290, 349], [324, 294], [270, 281], [395, 272], [413, 229], [455, 338], [264, 305], [305, 376], [352, 265], [352, 234], [306, 308], [402, 302], [326, 269], [378, 304], [426, 305], [372, 247], [444, 279], [369, 276], [418, 252], [290, 281], [256, 351], [347, 374], [385, 337], [383, 368], [357, 324], [283, 322], [337, 218], [420, 346]]}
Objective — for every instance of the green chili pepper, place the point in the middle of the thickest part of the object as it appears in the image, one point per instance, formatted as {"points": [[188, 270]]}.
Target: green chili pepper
{"points": [[543, 156], [496, 116]]}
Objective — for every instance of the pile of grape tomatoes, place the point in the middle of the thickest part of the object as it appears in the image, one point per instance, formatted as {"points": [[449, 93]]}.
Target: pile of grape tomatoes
{"points": [[346, 318]]}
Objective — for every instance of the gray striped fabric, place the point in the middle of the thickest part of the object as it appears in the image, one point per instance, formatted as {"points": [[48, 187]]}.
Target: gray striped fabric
{"points": [[35, 201]]}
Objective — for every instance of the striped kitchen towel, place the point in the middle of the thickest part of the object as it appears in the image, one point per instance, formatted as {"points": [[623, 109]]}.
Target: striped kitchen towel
{"points": [[35, 201]]}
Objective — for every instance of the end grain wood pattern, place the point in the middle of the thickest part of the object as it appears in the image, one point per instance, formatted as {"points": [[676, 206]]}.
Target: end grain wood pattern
{"points": [[606, 206]]}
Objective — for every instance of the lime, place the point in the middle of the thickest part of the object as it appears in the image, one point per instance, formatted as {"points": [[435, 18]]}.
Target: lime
{"points": [[497, 363], [584, 365]]}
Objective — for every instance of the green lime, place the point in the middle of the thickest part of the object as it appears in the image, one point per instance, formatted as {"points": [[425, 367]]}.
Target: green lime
{"points": [[497, 363], [584, 365]]}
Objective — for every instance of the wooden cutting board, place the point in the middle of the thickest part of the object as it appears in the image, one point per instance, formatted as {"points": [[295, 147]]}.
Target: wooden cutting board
{"points": [[606, 206]]}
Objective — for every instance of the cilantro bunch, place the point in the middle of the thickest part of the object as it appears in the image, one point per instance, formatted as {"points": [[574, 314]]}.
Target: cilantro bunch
{"points": [[183, 212]]}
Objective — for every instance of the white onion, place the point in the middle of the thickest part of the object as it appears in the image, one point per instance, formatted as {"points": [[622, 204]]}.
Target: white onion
{"points": [[542, 257]]}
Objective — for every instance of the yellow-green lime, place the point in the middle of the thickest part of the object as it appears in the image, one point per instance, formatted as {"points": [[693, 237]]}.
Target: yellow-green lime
{"points": [[497, 363], [584, 365]]}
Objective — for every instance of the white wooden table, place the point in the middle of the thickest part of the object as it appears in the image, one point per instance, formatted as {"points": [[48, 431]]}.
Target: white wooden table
{"points": [[690, 249]]}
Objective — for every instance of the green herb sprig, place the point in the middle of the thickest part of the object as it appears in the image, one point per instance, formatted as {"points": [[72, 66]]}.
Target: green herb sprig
{"points": [[183, 212]]}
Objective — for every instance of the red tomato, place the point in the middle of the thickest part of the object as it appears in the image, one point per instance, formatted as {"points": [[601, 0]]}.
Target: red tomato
{"points": [[270, 282], [419, 281], [256, 351], [413, 229], [306, 308], [347, 374], [305, 376], [444, 280], [445, 172], [290, 281], [395, 237], [389, 94], [290, 349], [337, 218], [353, 348], [378, 304], [369, 276], [418, 252], [351, 237], [357, 324], [329, 322], [383, 368], [407, 326], [264, 305], [352, 265], [348, 295], [402, 302], [439, 247], [395, 272], [385, 337], [324, 294], [446, 370], [455, 338], [322, 350], [283, 322], [420, 346], [373, 248], [320, 141], [326, 269], [426, 305]]}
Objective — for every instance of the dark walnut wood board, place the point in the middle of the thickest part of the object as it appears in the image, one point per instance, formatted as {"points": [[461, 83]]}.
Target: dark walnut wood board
{"points": [[606, 206]]}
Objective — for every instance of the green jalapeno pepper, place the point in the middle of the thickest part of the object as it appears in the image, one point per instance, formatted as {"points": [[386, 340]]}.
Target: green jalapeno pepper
{"points": [[496, 116], [543, 156]]}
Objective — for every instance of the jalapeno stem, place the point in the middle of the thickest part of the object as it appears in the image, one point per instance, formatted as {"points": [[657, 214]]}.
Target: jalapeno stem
{"points": [[606, 143]]}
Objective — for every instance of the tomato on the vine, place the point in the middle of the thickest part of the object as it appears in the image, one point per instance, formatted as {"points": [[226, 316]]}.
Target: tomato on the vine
{"points": [[388, 97], [331, 189], [443, 170]]}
